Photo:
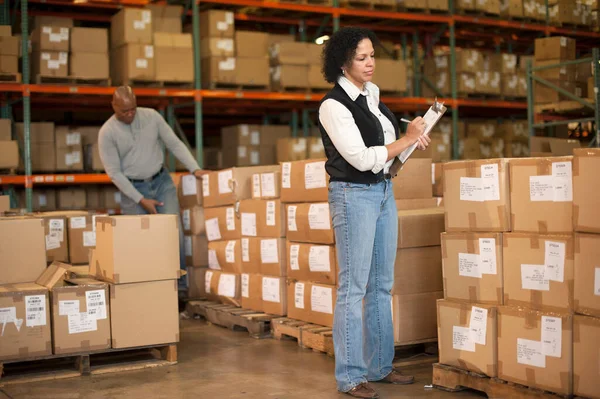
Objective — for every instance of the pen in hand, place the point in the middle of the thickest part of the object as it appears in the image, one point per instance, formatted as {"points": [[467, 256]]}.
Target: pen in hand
{"points": [[405, 120]]}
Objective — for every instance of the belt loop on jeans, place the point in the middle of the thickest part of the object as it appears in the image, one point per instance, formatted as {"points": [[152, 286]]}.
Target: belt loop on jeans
{"points": [[148, 179]]}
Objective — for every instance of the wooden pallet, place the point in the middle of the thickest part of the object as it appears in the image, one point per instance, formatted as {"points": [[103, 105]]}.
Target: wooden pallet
{"points": [[10, 77], [71, 80], [452, 379], [257, 324], [56, 367], [562, 107], [309, 336]]}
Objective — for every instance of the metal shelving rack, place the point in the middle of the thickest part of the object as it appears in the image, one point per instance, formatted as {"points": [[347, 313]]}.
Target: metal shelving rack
{"points": [[451, 27]]}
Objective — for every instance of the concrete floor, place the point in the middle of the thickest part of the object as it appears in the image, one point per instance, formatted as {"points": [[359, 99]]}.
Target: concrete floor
{"points": [[218, 363]]}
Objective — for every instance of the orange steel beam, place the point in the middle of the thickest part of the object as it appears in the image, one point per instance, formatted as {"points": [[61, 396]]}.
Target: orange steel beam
{"points": [[273, 5]]}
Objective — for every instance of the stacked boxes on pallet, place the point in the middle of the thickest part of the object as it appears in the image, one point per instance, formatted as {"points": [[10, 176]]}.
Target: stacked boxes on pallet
{"points": [[252, 59], [289, 65], [251, 145], [42, 147], [316, 81], [50, 50], [217, 31], [89, 53], [551, 51], [9, 51], [300, 148], [9, 148]]}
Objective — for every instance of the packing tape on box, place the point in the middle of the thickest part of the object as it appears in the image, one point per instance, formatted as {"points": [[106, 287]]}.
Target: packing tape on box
{"points": [[500, 367], [534, 241], [462, 364], [530, 376], [500, 296], [145, 222], [175, 285], [472, 293], [570, 248], [471, 243], [536, 299], [491, 370], [571, 291], [85, 345], [542, 227], [575, 166], [531, 319], [472, 220], [116, 278], [463, 318], [112, 290], [113, 343]]}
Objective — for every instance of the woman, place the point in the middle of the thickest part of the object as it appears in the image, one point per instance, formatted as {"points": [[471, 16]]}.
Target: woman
{"points": [[361, 141]]}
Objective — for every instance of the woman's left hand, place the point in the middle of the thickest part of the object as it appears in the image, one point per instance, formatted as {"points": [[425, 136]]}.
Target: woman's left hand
{"points": [[423, 142]]}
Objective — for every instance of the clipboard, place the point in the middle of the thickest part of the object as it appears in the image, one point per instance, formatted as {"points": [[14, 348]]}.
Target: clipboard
{"points": [[431, 117]]}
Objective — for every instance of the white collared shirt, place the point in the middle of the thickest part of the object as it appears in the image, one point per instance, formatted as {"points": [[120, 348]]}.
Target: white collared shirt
{"points": [[345, 135]]}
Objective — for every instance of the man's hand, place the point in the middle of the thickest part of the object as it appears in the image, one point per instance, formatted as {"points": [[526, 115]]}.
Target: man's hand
{"points": [[150, 205], [199, 173], [423, 142]]}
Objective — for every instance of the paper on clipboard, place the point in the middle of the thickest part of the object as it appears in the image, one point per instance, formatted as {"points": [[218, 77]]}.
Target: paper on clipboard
{"points": [[431, 118]]}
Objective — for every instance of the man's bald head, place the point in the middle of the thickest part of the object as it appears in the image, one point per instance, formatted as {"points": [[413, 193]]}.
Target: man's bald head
{"points": [[124, 104]]}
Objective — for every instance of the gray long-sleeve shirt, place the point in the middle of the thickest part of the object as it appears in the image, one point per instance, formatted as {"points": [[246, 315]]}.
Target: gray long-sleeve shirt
{"points": [[136, 151]]}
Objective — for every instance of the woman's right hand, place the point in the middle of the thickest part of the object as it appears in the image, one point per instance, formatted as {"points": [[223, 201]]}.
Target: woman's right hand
{"points": [[415, 129]]}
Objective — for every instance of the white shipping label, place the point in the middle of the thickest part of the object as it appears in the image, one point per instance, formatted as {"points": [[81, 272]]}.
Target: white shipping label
{"points": [[55, 37], [267, 181], [230, 252], [57, 227], [286, 175], [292, 218], [42, 200], [139, 25], [188, 185], [269, 251], [73, 138], [141, 63], [225, 45], [227, 65], [256, 185], [461, 339], [321, 299], [207, 281], [230, 219], [478, 325], [227, 285], [249, 224], [254, 158], [318, 217], [554, 260], [255, 138], [242, 152], [205, 186], [52, 242], [45, 56], [213, 233], [246, 285], [77, 222], [95, 302], [551, 336], [186, 219], [66, 308], [487, 256], [81, 322], [299, 295], [318, 258], [245, 250], [187, 243], [432, 173], [89, 238], [533, 278], [221, 25], [468, 265], [491, 182], [270, 290], [597, 281], [8, 315], [530, 353], [270, 213], [146, 16], [35, 310], [229, 18], [471, 189], [314, 175], [213, 261], [117, 197], [294, 253], [225, 181], [562, 173], [541, 188]]}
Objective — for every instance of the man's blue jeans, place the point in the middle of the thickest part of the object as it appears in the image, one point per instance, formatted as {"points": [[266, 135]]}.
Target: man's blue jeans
{"points": [[365, 221], [161, 189]]}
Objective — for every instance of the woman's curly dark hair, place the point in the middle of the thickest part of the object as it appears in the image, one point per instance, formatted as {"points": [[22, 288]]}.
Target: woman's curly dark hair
{"points": [[341, 48]]}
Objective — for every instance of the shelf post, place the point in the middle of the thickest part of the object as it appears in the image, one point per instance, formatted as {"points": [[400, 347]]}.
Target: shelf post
{"points": [[454, 89], [336, 16], [530, 105], [26, 106], [416, 65], [197, 84], [596, 93], [5, 13], [294, 122]]}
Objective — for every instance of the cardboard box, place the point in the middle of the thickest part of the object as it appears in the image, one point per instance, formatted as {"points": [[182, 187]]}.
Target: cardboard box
{"points": [[473, 267], [465, 5], [489, 6], [174, 59], [42, 200], [71, 198], [50, 63], [57, 239], [4, 203], [274, 295], [91, 158], [89, 40], [544, 94], [482, 130], [506, 63], [251, 255], [222, 223], [132, 61], [9, 154], [413, 180], [440, 5], [82, 237], [278, 38], [265, 256], [5, 130], [418, 270], [411, 204], [151, 307], [316, 150], [250, 44], [472, 206], [414, 317], [317, 81], [555, 48], [391, 76], [310, 223], [110, 198], [48, 20], [252, 292], [43, 158], [50, 38], [524, 258], [310, 262], [522, 356], [80, 316], [241, 135], [586, 356], [226, 187], [9, 45], [131, 26], [225, 287], [587, 275], [262, 218], [455, 345], [248, 156], [193, 220], [270, 134], [469, 61], [252, 72], [411, 233], [437, 179], [217, 23], [225, 256], [310, 302], [567, 72], [196, 250], [289, 53], [304, 181], [22, 249], [196, 282], [89, 66], [292, 149], [586, 211], [542, 195], [266, 185], [439, 150], [69, 158], [26, 330], [133, 249], [166, 18], [189, 191], [287, 76]]}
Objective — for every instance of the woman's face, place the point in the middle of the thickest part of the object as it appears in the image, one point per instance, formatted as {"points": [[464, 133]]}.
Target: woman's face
{"points": [[363, 64]]}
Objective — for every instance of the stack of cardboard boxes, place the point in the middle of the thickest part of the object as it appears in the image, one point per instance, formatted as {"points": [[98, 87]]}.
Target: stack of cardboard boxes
{"points": [[9, 149], [69, 150], [300, 148], [50, 45], [312, 269], [290, 65], [217, 30], [89, 53], [316, 81], [43, 151], [516, 138], [9, 51], [483, 140], [252, 59], [251, 145], [551, 51]]}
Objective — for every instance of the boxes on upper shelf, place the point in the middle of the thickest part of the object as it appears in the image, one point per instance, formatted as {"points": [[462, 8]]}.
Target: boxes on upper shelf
{"points": [[131, 26], [173, 57], [217, 23], [166, 18]]}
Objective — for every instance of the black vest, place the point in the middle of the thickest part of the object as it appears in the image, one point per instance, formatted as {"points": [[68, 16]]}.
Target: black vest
{"points": [[370, 129]]}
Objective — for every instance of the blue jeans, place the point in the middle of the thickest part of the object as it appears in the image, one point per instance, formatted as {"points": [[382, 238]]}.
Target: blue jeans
{"points": [[365, 222], [162, 190]]}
